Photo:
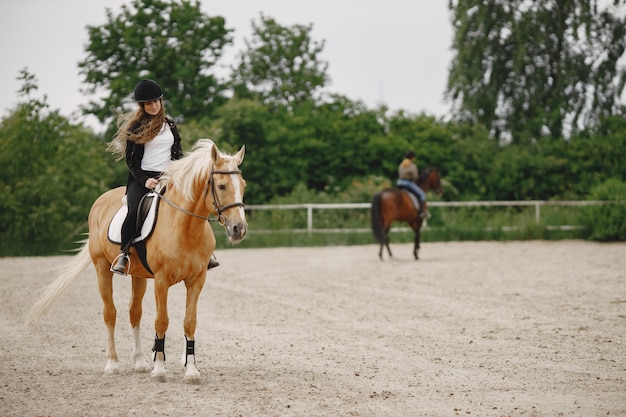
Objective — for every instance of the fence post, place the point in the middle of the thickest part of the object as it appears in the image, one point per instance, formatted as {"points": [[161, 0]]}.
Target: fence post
{"points": [[309, 219], [537, 212]]}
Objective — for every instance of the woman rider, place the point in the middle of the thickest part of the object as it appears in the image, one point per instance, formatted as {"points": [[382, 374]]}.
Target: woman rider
{"points": [[148, 141]]}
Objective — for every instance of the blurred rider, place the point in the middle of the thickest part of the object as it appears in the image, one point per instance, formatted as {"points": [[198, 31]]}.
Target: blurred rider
{"points": [[407, 178]]}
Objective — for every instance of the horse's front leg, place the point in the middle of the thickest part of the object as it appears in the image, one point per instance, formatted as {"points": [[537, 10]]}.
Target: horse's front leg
{"points": [[135, 312], [161, 288], [416, 245], [194, 288]]}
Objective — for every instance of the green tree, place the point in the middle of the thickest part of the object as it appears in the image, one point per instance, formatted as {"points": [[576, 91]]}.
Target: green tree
{"points": [[245, 122], [533, 69], [599, 157], [322, 147], [330, 140], [171, 42], [280, 65], [51, 171]]}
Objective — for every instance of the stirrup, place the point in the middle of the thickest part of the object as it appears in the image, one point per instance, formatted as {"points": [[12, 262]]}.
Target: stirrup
{"points": [[213, 263], [120, 264]]}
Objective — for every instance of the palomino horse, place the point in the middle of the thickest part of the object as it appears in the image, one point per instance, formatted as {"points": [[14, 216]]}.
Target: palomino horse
{"points": [[392, 204], [204, 183]]}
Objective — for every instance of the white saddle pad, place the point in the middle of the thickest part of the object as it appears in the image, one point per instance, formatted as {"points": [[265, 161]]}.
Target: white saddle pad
{"points": [[115, 227]]}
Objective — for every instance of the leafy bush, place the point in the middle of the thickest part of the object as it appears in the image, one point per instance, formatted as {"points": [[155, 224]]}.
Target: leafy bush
{"points": [[607, 222]]}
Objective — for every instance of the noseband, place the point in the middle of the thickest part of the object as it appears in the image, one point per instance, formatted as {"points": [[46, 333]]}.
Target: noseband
{"points": [[219, 209]]}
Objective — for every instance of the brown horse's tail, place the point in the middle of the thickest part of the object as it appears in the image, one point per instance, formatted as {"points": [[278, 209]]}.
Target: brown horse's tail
{"points": [[53, 291], [377, 222]]}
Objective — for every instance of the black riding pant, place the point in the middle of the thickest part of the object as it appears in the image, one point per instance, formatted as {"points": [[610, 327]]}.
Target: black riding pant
{"points": [[134, 194]]}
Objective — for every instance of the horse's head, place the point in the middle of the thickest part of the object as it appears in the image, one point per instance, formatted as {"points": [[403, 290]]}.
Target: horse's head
{"points": [[431, 180], [210, 183], [226, 192]]}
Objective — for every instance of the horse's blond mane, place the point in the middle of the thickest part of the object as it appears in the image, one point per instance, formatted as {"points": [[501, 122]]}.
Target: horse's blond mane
{"points": [[186, 174]]}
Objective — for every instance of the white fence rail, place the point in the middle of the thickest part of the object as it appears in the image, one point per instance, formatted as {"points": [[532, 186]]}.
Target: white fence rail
{"points": [[310, 207]]}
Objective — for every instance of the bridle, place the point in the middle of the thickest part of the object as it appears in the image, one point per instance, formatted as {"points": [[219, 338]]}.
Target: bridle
{"points": [[219, 209], [435, 184]]}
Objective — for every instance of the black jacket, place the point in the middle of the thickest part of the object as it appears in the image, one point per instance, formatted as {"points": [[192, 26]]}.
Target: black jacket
{"points": [[134, 155]]}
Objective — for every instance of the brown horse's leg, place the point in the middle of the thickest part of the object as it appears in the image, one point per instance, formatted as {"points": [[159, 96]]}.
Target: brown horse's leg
{"points": [[387, 230], [384, 242], [193, 295], [109, 312], [416, 226], [382, 245], [135, 311], [161, 288]]}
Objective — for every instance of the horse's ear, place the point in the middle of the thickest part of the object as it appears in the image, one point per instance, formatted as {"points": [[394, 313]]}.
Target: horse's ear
{"points": [[239, 155], [215, 154]]}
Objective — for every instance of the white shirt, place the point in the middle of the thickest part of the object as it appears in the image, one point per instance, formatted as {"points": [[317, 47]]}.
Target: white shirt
{"points": [[157, 153]]}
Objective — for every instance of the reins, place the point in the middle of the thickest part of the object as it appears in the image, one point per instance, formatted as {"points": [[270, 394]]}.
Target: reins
{"points": [[216, 204]]}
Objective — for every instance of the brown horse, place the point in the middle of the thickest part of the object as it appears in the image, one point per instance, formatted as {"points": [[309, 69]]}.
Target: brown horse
{"points": [[204, 183], [392, 204]]}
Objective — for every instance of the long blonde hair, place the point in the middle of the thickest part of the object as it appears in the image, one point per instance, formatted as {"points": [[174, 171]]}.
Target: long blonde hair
{"points": [[138, 127]]}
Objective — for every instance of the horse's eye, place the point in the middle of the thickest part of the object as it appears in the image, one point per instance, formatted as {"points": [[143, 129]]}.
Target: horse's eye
{"points": [[221, 187]]}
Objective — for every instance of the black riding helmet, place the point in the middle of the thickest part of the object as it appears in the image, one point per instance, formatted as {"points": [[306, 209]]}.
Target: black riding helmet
{"points": [[147, 90]]}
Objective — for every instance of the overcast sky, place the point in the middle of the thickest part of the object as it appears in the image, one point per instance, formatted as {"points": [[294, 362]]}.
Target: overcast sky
{"points": [[395, 52]]}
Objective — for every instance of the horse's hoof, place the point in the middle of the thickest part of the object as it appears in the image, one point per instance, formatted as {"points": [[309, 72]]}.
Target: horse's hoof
{"points": [[158, 372], [158, 376], [111, 367], [192, 376], [192, 379], [142, 366]]}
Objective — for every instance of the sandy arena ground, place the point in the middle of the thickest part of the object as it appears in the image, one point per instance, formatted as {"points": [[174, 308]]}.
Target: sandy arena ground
{"points": [[471, 329]]}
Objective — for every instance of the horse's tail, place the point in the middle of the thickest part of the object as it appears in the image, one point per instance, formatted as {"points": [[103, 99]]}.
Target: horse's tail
{"points": [[377, 222], [53, 291]]}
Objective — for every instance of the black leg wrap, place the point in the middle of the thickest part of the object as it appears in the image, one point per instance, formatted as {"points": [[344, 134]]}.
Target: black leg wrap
{"points": [[191, 350], [159, 346]]}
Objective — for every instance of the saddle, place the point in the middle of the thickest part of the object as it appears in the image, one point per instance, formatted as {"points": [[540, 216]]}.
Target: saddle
{"points": [[413, 197], [146, 220]]}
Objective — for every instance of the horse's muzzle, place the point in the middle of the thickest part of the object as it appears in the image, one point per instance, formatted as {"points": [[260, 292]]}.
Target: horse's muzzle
{"points": [[236, 231]]}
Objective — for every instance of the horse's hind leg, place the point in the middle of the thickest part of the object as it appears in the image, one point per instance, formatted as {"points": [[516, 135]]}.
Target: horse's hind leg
{"points": [[384, 244], [109, 313], [387, 230], [135, 311]]}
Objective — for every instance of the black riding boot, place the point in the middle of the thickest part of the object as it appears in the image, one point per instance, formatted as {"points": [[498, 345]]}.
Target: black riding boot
{"points": [[424, 213], [213, 263], [120, 264]]}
